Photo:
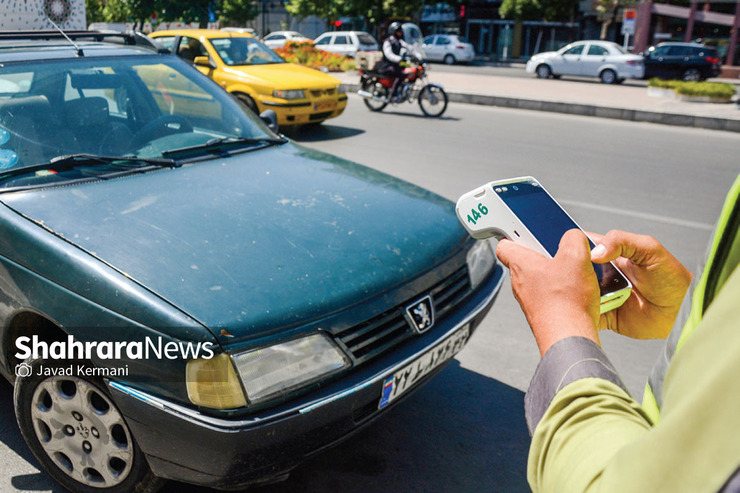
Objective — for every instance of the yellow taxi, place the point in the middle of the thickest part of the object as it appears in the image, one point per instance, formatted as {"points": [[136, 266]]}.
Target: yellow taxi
{"points": [[257, 75]]}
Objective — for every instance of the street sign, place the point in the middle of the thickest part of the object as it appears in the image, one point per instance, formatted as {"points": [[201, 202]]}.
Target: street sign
{"points": [[628, 24]]}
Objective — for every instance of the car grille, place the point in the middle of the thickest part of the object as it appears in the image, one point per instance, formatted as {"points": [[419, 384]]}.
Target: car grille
{"points": [[317, 93], [378, 335], [320, 116]]}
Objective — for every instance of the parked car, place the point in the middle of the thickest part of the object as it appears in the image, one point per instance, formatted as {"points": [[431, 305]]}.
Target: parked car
{"points": [[686, 61], [257, 75], [448, 48], [187, 294], [602, 59], [279, 38], [346, 43]]}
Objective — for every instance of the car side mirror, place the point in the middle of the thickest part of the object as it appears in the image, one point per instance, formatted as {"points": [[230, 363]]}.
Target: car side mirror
{"points": [[204, 61], [270, 118]]}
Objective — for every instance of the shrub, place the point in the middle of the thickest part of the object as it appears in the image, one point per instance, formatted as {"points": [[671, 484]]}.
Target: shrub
{"points": [[718, 90], [305, 53]]}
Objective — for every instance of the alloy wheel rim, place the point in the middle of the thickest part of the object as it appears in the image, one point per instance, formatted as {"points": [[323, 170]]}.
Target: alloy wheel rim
{"points": [[82, 432]]}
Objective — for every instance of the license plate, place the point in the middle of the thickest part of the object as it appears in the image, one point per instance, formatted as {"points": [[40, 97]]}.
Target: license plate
{"points": [[404, 379], [324, 105]]}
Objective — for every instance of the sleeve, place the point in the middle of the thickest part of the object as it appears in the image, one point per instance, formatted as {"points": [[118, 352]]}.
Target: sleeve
{"points": [[580, 415], [388, 52]]}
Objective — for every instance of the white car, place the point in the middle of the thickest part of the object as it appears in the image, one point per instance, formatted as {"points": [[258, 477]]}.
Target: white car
{"points": [[347, 43], [448, 48], [602, 59], [278, 39]]}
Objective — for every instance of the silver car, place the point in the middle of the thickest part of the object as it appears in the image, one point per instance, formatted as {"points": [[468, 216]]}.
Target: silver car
{"points": [[448, 48], [602, 59]]}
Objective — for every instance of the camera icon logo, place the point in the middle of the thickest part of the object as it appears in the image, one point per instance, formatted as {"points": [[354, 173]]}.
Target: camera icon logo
{"points": [[23, 370]]}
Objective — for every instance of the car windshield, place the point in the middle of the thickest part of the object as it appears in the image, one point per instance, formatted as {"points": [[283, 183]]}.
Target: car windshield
{"points": [[244, 51], [134, 107]]}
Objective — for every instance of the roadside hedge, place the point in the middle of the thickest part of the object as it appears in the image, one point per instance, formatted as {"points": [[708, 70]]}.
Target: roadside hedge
{"points": [[305, 53], [720, 90]]}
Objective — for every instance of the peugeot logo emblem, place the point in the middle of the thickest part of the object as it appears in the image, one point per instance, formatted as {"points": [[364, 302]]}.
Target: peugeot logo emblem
{"points": [[420, 315]]}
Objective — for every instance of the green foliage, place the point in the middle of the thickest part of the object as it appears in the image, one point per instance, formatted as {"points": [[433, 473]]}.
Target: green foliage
{"points": [[238, 11], [521, 10], [720, 90], [373, 11], [307, 54], [94, 11]]}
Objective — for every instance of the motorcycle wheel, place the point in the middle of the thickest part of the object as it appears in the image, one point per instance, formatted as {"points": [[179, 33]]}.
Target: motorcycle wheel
{"points": [[433, 101], [378, 90]]}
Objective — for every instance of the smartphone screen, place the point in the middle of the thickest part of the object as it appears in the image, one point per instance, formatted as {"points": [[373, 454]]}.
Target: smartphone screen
{"points": [[547, 222]]}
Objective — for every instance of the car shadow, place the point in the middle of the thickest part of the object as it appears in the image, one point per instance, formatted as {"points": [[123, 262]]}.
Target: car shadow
{"points": [[320, 133], [462, 432]]}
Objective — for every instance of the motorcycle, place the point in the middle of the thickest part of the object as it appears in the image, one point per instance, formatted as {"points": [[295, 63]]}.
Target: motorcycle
{"points": [[375, 88]]}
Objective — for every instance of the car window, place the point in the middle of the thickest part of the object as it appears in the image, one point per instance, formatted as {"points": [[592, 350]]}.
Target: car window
{"points": [[165, 42], [340, 40], [138, 106], [442, 40], [678, 51], [659, 51], [428, 40], [189, 48], [324, 40], [244, 51], [574, 50], [275, 36], [15, 84], [366, 39], [596, 50]]}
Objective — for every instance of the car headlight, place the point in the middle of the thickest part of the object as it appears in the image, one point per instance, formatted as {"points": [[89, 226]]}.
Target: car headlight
{"points": [[271, 371], [213, 383], [480, 260], [289, 94]]}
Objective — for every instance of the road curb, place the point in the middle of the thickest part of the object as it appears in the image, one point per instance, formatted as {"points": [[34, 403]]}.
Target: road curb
{"points": [[676, 119]]}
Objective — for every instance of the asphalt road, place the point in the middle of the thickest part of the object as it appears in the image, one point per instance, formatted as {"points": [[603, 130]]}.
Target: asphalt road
{"points": [[465, 431]]}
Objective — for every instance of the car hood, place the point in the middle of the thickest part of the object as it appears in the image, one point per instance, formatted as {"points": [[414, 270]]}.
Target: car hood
{"points": [[544, 54], [258, 241], [284, 76]]}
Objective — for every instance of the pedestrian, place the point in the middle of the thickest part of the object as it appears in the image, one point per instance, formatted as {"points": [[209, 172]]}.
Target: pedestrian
{"points": [[588, 433]]}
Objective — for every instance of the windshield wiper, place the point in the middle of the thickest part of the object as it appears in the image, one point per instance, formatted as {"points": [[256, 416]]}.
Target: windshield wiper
{"points": [[74, 160], [223, 144]]}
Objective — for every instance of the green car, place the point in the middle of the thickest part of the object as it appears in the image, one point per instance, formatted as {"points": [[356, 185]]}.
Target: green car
{"points": [[185, 293]]}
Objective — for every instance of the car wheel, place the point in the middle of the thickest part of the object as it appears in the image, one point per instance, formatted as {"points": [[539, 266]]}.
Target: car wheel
{"points": [[77, 433], [543, 71], [608, 76], [692, 75], [248, 102], [449, 59]]}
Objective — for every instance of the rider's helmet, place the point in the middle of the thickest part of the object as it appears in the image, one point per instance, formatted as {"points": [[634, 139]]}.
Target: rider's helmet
{"points": [[395, 29]]}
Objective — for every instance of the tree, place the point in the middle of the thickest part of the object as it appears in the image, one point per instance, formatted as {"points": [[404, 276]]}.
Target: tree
{"points": [[237, 11], [94, 11], [608, 10]]}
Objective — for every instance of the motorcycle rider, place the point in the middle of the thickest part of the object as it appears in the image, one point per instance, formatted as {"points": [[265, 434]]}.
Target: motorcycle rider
{"points": [[395, 50]]}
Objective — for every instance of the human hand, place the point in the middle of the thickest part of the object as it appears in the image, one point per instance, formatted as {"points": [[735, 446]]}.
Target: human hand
{"points": [[659, 284], [560, 295]]}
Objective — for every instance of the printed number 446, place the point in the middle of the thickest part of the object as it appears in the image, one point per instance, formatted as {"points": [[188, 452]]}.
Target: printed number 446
{"points": [[476, 214]]}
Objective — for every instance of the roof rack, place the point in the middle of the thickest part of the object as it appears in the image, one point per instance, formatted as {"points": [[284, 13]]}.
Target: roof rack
{"points": [[126, 38]]}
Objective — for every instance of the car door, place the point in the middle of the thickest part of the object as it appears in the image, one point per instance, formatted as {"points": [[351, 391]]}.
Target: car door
{"points": [[342, 45], [568, 62], [324, 43], [442, 46], [593, 59], [656, 64], [430, 49], [275, 40]]}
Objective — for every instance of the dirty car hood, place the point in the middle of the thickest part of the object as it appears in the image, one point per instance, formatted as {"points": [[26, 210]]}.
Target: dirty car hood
{"points": [[256, 241]]}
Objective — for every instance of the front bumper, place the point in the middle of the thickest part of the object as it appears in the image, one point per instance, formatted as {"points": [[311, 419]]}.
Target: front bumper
{"points": [[302, 112], [184, 445]]}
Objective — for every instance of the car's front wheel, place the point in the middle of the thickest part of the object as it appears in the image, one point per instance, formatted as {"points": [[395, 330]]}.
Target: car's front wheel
{"points": [[77, 433], [692, 75], [543, 71]]}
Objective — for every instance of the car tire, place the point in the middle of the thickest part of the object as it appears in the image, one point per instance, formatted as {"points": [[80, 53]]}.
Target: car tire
{"points": [[449, 59], [543, 71], [608, 76], [248, 102], [691, 75], [76, 432]]}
